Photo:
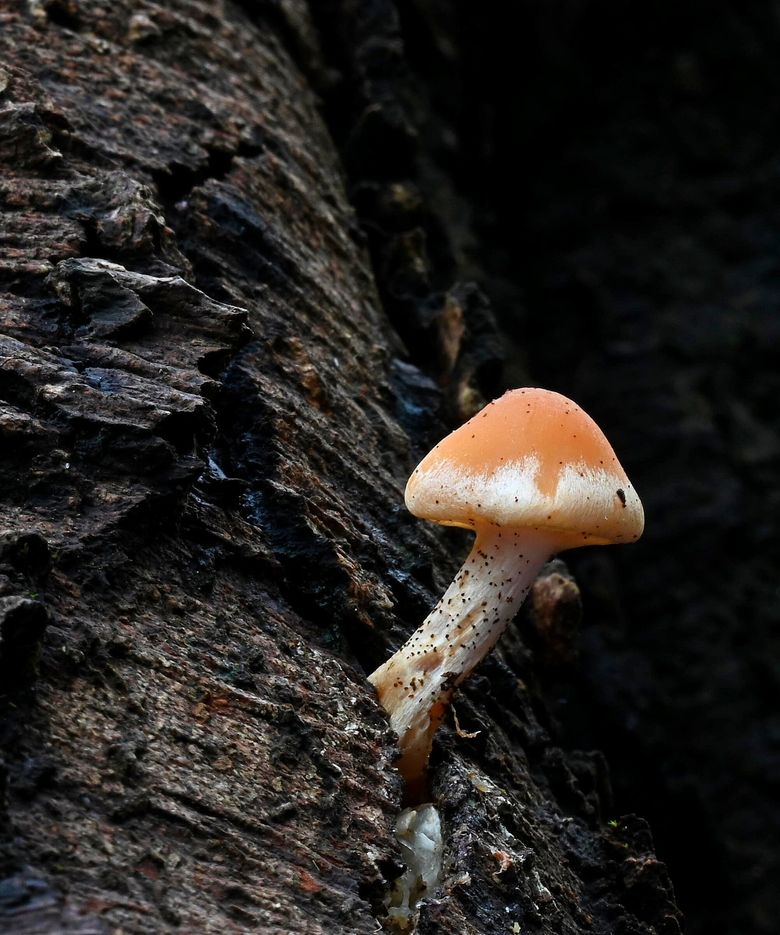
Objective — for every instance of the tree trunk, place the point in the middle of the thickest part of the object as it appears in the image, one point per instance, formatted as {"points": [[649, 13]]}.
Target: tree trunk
{"points": [[207, 417]]}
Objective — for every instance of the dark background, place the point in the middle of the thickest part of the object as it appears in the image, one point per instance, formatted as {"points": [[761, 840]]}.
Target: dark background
{"points": [[619, 165]]}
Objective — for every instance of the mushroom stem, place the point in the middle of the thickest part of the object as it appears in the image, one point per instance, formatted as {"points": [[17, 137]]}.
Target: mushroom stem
{"points": [[416, 684]]}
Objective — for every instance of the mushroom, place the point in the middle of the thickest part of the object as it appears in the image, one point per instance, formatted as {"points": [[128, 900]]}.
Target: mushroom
{"points": [[532, 475]]}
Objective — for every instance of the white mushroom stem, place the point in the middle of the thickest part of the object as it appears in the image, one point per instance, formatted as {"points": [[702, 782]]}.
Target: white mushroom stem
{"points": [[416, 684]]}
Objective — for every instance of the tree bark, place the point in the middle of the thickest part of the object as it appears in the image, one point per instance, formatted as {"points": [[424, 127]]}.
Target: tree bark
{"points": [[207, 416]]}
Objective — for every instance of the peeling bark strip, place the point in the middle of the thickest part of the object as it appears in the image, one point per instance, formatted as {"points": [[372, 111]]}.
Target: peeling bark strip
{"points": [[203, 419]]}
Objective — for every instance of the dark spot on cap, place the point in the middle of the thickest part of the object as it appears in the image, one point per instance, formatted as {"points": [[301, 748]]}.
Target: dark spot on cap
{"points": [[621, 495]]}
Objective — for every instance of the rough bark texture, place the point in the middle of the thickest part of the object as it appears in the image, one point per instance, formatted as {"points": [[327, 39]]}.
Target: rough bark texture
{"points": [[213, 383]]}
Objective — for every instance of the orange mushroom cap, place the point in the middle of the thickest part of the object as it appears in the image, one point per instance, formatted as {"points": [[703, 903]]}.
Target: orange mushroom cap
{"points": [[530, 459]]}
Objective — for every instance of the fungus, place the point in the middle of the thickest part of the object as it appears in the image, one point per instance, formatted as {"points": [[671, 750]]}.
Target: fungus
{"points": [[532, 475], [418, 832]]}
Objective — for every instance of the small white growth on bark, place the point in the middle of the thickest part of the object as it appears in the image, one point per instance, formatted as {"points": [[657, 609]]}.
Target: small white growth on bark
{"points": [[418, 831]]}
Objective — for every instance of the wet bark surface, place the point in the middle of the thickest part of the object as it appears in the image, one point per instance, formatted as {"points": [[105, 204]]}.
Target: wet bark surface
{"points": [[237, 306]]}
